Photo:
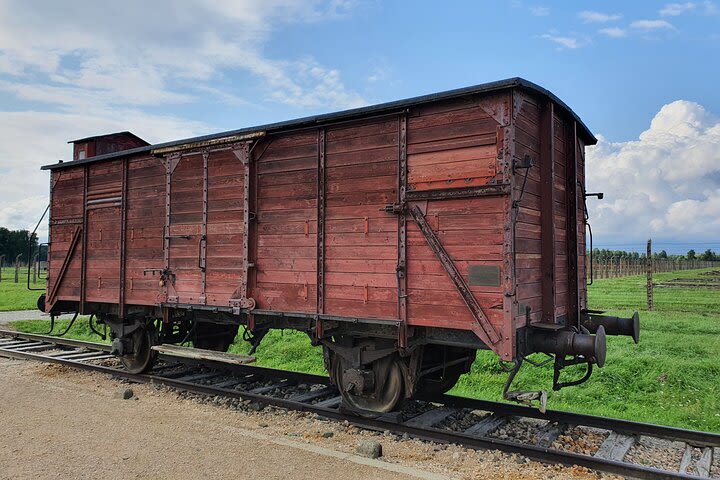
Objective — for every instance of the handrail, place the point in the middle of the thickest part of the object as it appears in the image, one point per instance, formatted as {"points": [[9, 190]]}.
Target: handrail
{"points": [[30, 249]]}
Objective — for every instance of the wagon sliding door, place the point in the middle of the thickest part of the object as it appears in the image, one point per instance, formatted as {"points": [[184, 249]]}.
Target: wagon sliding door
{"points": [[103, 232], [361, 240], [185, 236], [206, 244], [285, 253]]}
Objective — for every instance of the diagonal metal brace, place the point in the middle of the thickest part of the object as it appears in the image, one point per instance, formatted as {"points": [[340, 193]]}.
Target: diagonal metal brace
{"points": [[481, 326], [66, 262]]}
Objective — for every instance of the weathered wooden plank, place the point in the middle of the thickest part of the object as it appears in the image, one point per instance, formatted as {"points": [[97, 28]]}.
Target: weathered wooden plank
{"points": [[369, 156], [487, 425], [362, 293], [201, 354], [359, 308], [311, 395], [454, 130], [616, 446], [354, 144], [370, 203], [549, 433], [374, 183], [431, 417], [686, 459], [466, 114], [277, 153], [364, 128], [288, 165], [453, 143], [703, 464], [450, 170]]}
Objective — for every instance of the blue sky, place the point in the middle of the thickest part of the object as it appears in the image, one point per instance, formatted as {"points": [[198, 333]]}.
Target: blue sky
{"points": [[615, 84], [642, 75]]}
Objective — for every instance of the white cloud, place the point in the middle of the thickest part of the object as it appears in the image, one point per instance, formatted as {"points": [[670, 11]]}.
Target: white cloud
{"points": [[675, 9], [648, 25], [123, 57], [589, 16], [564, 41], [104, 71], [665, 184], [313, 85], [710, 8], [613, 32], [30, 139], [540, 11]]}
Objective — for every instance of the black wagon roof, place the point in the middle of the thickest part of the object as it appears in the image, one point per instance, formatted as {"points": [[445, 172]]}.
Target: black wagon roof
{"points": [[516, 82], [115, 134]]}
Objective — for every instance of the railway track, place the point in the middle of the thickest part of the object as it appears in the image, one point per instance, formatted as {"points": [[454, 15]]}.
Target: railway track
{"points": [[618, 448]]}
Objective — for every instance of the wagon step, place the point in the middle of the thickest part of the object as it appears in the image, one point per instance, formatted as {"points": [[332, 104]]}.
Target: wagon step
{"points": [[201, 354]]}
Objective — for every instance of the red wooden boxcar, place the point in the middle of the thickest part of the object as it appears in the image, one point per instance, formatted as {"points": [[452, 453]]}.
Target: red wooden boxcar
{"points": [[401, 237]]}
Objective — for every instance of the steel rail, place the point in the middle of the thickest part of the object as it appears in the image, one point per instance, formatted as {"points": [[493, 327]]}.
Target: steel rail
{"points": [[388, 422]]}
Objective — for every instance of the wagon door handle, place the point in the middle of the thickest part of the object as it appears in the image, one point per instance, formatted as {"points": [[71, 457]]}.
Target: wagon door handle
{"points": [[394, 208], [202, 248]]}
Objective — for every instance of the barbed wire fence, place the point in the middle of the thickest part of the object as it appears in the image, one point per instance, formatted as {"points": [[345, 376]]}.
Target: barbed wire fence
{"points": [[624, 267]]}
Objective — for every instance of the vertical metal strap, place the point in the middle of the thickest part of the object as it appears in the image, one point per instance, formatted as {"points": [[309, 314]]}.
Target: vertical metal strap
{"points": [[83, 265], [572, 226], [166, 233], [171, 162], [401, 269], [53, 180], [240, 298], [123, 238], [547, 216], [320, 231], [649, 271], [203, 231], [253, 239], [245, 159]]}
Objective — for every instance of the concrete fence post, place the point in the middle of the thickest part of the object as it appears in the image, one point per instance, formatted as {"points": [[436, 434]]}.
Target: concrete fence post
{"points": [[649, 276], [34, 267], [17, 267]]}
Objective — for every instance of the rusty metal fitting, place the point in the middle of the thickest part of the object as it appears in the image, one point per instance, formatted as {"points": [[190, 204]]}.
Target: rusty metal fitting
{"points": [[566, 342], [613, 325]]}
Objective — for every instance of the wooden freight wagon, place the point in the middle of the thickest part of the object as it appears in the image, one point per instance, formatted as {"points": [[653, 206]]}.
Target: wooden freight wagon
{"points": [[401, 237]]}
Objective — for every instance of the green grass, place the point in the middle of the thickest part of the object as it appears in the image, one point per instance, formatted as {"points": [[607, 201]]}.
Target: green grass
{"points": [[16, 296], [631, 293], [672, 377], [79, 331], [286, 350]]}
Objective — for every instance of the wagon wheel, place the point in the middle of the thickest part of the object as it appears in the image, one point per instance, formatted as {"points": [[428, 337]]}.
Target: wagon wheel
{"points": [[381, 402], [143, 357]]}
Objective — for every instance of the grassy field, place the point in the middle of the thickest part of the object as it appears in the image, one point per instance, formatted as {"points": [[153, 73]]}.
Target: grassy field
{"points": [[672, 377], [16, 296]]}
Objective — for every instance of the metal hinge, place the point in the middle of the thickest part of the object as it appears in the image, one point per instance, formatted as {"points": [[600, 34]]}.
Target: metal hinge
{"points": [[400, 270]]}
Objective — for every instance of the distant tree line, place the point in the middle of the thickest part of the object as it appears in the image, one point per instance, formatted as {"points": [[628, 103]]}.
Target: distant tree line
{"points": [[605, 255], [15, 242]]}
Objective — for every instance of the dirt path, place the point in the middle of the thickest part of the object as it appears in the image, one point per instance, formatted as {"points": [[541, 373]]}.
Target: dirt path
{"points": [[6, 317], [59, 423]]}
